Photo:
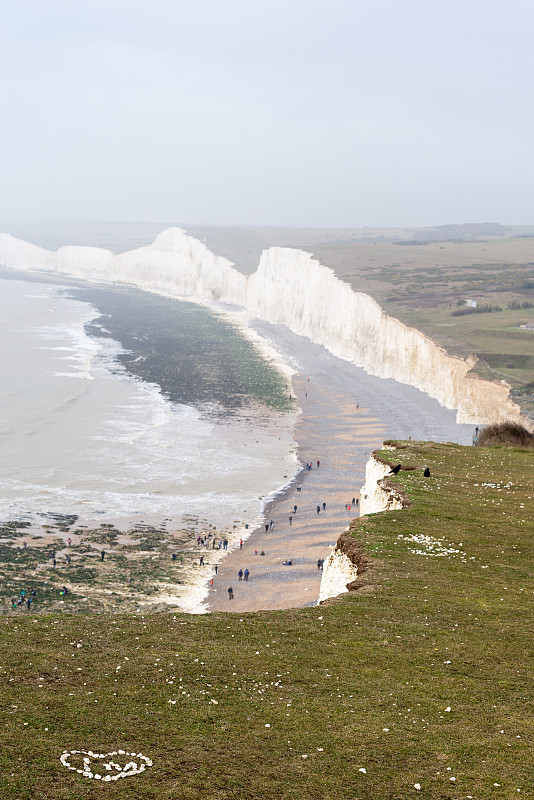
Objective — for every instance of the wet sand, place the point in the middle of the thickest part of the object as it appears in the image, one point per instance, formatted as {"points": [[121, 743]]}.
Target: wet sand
{"points": [[341, 436], [332, 431]]}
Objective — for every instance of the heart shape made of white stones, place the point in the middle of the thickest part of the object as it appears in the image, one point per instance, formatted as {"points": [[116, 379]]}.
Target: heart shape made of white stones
{"points": [[109, 769]]}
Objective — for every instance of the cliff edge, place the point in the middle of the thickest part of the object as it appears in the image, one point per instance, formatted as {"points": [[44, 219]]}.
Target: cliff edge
{"points": [[347, 561]]}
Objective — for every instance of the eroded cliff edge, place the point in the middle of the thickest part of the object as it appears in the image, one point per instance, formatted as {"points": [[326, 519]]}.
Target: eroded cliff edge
{"points": [[344, 567], [292, 288]]}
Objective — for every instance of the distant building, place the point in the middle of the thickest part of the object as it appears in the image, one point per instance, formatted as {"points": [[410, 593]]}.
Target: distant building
{"points": [[528, 325], [471, 303]]}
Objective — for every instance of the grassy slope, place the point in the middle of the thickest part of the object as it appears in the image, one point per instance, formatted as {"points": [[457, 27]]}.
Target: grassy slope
{"points": [[430, 279], [427, 633]]}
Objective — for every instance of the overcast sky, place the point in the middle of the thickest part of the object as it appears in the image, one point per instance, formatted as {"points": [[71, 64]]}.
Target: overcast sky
{"points": [[267, 112]]}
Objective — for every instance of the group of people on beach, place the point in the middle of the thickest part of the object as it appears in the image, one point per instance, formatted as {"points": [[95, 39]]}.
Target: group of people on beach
{"points": [[210, 542], [24, 599], [355, 502], [243, 575], [269, 525], [27, 598], [68, 557]]}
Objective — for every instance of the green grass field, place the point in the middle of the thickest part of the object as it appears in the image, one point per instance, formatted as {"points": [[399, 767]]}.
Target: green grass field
{"points": [[421, 677]]}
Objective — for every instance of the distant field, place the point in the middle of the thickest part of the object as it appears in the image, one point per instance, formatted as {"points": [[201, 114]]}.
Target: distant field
{"points": [[422, 677], [423, 284]]}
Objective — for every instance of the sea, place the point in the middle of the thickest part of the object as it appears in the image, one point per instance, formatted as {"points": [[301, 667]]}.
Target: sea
{"points": [[84, 430]]}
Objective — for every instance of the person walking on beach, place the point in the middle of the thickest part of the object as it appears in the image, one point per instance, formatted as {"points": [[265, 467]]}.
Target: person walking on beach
{"points": [[319, 563], [266, 527], [201, 561], [294, 509], [291, 519], [318, 509], [318, 464], [324, 506], [271, 524], [241, 544], [246, 574], [102, 555], [240, 574], [216, 568], [230, 593]]}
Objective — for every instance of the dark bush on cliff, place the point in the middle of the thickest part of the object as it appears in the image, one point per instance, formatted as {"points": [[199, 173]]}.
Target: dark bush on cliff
{"points": [[483, 309], [506, 434]]}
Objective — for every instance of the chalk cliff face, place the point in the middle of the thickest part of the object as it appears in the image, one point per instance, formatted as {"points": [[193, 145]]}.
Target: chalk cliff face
{"points": [[16, 254], [291, 288], [378, 494], [338, 572]]}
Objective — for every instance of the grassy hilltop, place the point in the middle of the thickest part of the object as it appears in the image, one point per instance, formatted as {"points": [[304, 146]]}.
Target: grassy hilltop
{"points": [[420, 677]]}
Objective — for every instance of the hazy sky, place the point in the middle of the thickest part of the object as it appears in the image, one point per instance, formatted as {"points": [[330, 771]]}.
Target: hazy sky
{"points": [[274, 112]]}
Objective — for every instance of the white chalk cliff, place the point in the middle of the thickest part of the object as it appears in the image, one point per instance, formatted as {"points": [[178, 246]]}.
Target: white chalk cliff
{"points": [[338, 572], [377, 495], [291, 288]]}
